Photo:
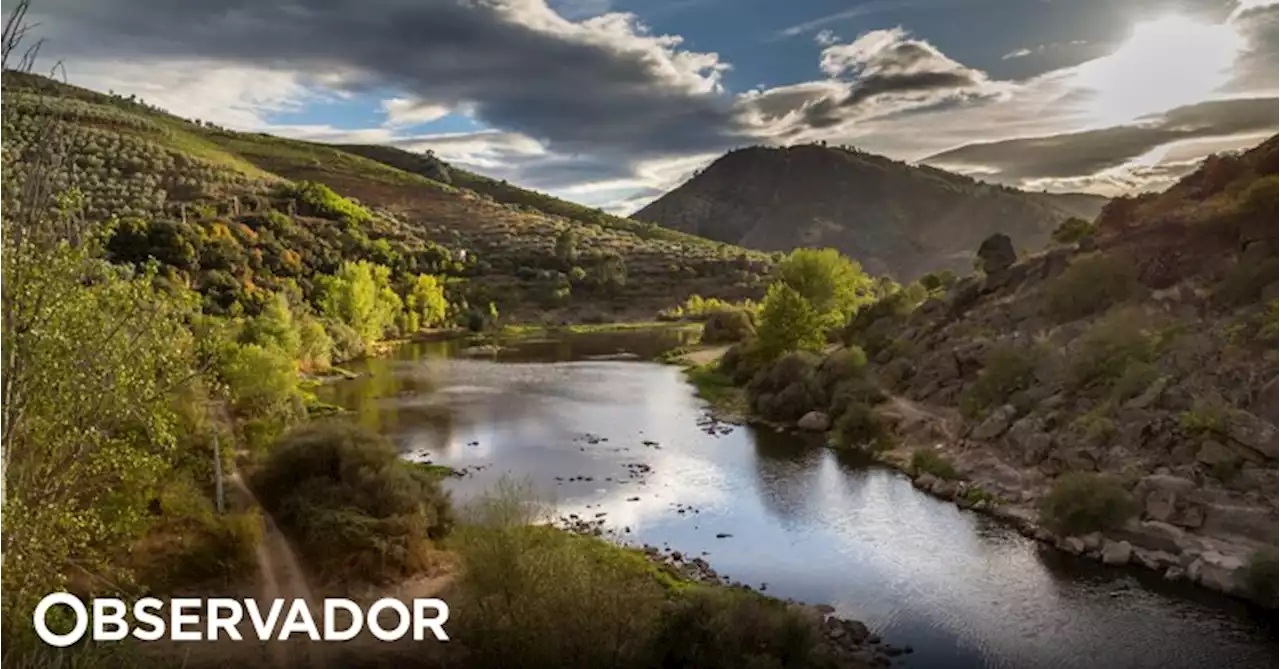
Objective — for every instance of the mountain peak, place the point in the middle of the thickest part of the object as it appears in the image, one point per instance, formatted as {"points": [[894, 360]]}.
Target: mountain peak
{"points": [[894, 217]]}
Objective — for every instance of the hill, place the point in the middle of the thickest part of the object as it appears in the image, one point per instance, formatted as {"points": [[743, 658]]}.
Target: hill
{"points": [[894, 218], [1114, 394], [243, 214]]}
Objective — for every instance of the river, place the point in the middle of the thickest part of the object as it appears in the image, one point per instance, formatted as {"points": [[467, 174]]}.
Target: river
{"points": [[804, 521]]}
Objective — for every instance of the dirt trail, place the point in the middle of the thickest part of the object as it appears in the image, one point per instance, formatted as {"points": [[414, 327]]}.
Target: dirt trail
{"points": [[280, 576]]}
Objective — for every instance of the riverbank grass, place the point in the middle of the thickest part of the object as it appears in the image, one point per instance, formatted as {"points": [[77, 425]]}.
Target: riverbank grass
{"points": [[717, 388]]}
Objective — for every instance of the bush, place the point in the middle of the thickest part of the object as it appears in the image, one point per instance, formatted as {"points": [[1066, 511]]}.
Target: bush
{"points": [[859, 427], [840, 366], [742, 361], [1107, 350], [785, 390], [536, 596], [347, 343], [1091, 285], [1084, 502], [1005, 371], [1260, 577], [352, 506], [928, 461], [727, 326], [719, 628], [1073, 230]]}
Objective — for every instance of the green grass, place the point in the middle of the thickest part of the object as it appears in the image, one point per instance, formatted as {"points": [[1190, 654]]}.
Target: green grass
{"points": [[717, 389], [927, 461]]}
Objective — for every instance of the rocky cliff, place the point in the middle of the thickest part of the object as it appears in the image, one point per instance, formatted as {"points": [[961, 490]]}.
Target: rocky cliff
{"points": [[894, 218]]}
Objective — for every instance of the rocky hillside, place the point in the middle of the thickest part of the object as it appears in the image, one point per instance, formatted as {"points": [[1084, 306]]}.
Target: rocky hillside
{"points": [[1116, 397], [894, 218], [230, 210]]}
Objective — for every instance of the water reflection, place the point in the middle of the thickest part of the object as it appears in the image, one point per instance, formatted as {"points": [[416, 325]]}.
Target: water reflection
{"points": [[809, 523]]}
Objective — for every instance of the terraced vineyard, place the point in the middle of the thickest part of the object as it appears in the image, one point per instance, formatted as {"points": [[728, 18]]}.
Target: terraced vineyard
{"points": [[226, 210]]}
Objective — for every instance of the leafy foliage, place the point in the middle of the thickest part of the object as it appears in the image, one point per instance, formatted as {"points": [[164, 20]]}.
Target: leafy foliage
{"points": [[1084, 502], [788, 322], [1090, 285], [353, 506], [833, 284]]}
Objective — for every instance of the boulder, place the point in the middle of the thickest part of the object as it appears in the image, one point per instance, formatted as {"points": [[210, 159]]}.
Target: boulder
{"points": [[1116, 553], [944, 489], [815, 421], [1266, 402], [1253, 433], [1154, 560], [1150, 396], [925, 481], [996, 424], [1072, 545], [1092, 542], [1162, 495], [1216, 571], [1212, 453], [1154, 535], [997, 253]]}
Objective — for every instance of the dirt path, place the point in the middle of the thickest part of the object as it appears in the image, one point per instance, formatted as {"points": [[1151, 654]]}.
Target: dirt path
{"points": [[280, 577]]}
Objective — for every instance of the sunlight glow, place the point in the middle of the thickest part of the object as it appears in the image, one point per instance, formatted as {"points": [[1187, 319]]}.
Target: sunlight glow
{"points": [[1166, 62]]}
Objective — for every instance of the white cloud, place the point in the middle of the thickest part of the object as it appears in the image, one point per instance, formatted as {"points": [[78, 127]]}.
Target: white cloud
{"points": [[1016, 53], [406, 112]]}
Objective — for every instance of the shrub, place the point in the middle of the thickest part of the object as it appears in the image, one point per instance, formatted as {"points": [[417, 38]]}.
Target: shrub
{"points": [[840, 366], [859, 427], [1091, 285], [1084, 502], [347, 343], [536, 596], [1073, 230], [1260, 576], [785, 390], [1005, 371], [727, 326], [928, 461], [742, 361], [352, 506], [1106, 351], [261, 381], [719, 628]]}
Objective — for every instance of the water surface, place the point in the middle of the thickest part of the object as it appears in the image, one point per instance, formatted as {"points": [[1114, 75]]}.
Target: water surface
{"points": [[805, 522]]}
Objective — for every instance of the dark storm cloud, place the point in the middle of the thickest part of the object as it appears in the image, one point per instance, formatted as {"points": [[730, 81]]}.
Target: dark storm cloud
{"points": [[596, 85], [1083, 153], [1257, 69]]}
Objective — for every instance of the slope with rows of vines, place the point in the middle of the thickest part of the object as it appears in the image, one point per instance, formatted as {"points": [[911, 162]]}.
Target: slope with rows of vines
{"points": [[245, 214]]}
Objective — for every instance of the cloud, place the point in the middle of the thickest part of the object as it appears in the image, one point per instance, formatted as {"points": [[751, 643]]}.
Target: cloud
{"points": [[582, 100], [1016, 53], [406, 112], [599, 84]]}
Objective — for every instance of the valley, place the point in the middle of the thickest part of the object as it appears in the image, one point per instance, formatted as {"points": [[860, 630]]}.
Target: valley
{"points": [[918, 420]]}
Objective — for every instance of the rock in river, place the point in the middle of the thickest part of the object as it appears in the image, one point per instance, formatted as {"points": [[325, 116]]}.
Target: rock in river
{"points": [[1116, 553]]}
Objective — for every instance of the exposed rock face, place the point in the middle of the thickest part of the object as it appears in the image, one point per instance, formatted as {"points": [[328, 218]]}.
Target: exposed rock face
{"points": [[892, 217]]}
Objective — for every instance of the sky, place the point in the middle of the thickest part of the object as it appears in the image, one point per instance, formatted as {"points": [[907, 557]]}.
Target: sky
{"points": [[613, 102]]}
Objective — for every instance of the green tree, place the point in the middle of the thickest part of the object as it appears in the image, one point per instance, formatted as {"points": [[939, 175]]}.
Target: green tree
{"points": [[360, 295], [834, 285], [274, 328], [788, 322], [425, 304]]}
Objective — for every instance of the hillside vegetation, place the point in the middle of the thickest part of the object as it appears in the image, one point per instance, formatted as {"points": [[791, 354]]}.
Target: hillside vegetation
{"points": [[1114, 394], [894, 218], [242, 215]]}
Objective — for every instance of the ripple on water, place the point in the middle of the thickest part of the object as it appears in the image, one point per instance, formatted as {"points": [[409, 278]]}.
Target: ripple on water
{"points": [[961, 589]]}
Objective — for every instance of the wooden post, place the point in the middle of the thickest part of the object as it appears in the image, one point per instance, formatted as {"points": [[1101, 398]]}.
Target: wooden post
{"points": [[217, 472]]}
